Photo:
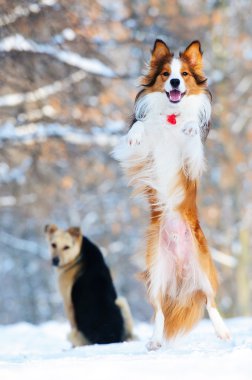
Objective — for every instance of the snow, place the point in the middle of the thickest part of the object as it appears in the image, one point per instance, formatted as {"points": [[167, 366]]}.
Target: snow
{"points": [[20, 11], [38, 352], [17, 42], [223, 258], [27, 246], [16, 174], [35, 132], [11, 100]]}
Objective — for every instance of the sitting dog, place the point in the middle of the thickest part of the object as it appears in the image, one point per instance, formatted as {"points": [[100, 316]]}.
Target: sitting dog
{"points": [[95, 313]]}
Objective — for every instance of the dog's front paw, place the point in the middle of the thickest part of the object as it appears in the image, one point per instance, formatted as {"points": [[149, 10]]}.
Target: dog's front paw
{"points": [[135, 134], [134, 139], [190, 128]]}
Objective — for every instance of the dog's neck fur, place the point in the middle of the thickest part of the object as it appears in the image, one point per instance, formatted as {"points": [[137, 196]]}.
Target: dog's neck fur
{"points": [[67, 267], [66, 276], [153, 105]]}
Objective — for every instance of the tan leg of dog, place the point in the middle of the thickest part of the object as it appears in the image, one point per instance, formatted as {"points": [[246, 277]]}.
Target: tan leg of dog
{"points": [[77, 338], [122, 303]]}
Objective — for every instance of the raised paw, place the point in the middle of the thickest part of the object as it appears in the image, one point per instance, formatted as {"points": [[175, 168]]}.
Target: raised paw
{"points": [[190, 129], [134, 139], [135, 134], [153, 345]]}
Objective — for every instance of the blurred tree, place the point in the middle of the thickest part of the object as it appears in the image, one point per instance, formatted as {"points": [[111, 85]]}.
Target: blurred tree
{"points": [[68, 83]]}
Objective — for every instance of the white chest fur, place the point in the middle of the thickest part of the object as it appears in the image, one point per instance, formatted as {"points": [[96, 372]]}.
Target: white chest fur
{"points": [[172, 147], [166, 146]]}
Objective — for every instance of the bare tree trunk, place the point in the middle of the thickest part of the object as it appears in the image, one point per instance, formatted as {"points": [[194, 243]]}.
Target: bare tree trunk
{"points": [[242, 274]]}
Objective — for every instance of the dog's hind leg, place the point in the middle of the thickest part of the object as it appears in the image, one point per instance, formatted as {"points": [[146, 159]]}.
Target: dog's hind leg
{"points": [[77, 338], [122, 303], [157, 337], [216, 319]]}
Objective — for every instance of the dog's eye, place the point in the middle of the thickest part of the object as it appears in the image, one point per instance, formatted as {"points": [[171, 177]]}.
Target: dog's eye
{"points": [[54, 245], [184, 73], [166, 74], [66, 247]]}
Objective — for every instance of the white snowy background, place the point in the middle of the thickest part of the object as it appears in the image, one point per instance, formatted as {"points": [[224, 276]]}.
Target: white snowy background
{"points": [[41, 352]]}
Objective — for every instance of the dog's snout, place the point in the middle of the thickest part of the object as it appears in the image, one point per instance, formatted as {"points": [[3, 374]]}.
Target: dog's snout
{"points": [[55, 261], [175, 83]]}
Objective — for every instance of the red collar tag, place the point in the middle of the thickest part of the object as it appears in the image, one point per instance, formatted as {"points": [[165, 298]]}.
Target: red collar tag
{"points": [[171, 119]]}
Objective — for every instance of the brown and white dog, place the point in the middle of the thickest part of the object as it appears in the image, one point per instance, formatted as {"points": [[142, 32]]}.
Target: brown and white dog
{"points": [[163, 154]]}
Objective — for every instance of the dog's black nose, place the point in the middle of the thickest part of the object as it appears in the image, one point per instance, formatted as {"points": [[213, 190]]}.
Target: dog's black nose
{"points": [[55, 261], [175, 83]]}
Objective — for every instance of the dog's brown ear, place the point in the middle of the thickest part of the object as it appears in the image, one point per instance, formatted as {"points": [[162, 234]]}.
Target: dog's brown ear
{"points": [[193, 54], [74, 231], [160, 51], [50, 229]]}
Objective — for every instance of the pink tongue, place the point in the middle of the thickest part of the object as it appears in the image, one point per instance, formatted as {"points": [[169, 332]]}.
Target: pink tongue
{"points": [[175, 95]]}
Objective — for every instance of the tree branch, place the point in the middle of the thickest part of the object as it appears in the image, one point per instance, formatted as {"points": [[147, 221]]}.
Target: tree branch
{"points": [[93, 66], [40, 132]]}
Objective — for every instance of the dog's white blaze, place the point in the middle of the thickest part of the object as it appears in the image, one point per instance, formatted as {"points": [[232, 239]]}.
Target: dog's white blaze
{"points": [[175, 74]]}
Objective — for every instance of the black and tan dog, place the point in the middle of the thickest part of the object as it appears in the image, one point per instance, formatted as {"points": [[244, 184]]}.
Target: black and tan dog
{"points": [[95, 313]]}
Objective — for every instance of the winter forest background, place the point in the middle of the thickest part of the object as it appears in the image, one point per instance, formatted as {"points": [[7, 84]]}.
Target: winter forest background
{"points": [[68, 80]]}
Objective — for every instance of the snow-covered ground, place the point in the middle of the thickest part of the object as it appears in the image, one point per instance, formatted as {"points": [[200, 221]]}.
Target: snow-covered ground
{"points": [[41, 352]]}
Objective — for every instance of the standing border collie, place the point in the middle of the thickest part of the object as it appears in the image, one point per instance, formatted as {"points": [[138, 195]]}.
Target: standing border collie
{"points": [[95, 313], [163, 155]]}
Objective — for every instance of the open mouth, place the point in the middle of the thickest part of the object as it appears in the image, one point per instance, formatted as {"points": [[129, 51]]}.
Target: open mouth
{"points": [[175, 96]]}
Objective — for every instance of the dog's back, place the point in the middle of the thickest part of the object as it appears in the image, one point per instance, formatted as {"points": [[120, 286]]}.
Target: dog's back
{"points": [[93, 297]]}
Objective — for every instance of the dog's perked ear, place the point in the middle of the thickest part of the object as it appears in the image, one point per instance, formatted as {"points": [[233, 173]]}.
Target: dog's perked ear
{"points": [[160, 51], [74, 231], [193, 54], [50, 228]]}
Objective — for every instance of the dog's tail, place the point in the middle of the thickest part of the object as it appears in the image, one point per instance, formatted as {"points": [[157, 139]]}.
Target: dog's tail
{"points": [[181, 318], [122, 303]]}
